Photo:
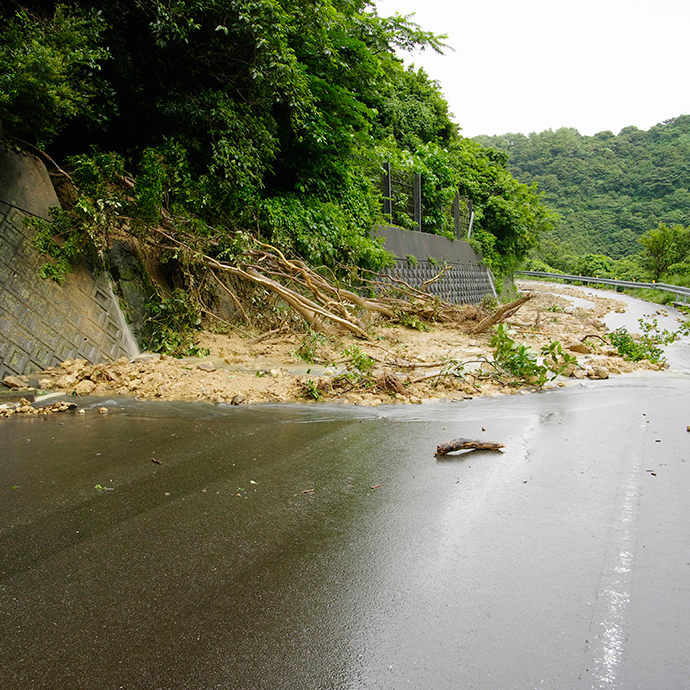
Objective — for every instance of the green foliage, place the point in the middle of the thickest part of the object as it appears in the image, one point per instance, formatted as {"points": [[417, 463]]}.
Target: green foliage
{"points": [[628, 268], [635, 350], [323, 232], [269, 117], [359, 361], [310, 390], [171, 326], [57, 241], [509, 215], [646, 347], [413, 322], [521, 363], [412, 260], [664, 247], [309, 348], [556, 359], [414, 111], [649, 326], [593, 265], [84, 227], [515, 360], [607, 189], [49, 72]]}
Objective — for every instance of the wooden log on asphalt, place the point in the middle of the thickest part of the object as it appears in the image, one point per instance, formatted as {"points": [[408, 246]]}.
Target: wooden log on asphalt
{"points": [[466, 444]]}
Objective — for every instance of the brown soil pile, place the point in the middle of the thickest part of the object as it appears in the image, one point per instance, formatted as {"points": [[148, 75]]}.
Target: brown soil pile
{"points": [[409, 366]]}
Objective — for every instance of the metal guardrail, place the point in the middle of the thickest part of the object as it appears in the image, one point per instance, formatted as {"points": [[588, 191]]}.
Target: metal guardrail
{"points": [[677, 289]]}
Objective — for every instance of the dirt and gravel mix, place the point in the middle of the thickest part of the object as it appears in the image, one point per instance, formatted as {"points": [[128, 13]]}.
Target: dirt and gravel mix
{"points": [[409, 366]]}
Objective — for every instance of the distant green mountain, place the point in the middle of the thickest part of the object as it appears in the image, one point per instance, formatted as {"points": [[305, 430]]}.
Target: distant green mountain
{"points": [[608, 189]]}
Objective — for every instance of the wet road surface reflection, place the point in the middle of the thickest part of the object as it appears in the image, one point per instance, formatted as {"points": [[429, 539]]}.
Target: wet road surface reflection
{"points": [[256, 552]]}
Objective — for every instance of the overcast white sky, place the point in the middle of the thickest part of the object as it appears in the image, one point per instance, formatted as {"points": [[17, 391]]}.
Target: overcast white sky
{"points": [[530, 65]]}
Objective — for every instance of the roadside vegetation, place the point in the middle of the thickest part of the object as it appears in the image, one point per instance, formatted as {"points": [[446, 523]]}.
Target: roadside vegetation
{"points": [[238, 148], [203, 131]]}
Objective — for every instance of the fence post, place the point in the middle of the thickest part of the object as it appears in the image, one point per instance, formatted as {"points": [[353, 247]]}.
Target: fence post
{"points": [[387, 191], [456, 214], [418, 200]]}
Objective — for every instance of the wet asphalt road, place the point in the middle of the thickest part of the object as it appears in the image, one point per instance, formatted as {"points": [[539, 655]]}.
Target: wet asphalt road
{"points": [[562, 562]]}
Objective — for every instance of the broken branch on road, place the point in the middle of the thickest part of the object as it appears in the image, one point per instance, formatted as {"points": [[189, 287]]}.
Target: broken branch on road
{"points": [[466, 444]]}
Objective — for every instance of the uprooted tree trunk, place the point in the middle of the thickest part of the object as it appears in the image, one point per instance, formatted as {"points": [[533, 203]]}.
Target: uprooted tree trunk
{"points": [[325, 305], [502, 313]]}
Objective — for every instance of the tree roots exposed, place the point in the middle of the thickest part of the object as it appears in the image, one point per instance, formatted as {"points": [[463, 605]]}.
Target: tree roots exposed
{"points": [[331, 308]]}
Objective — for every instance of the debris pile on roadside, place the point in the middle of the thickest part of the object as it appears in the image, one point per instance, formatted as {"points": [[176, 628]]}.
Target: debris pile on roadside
{"points": [[399, 363], [25, 407]]}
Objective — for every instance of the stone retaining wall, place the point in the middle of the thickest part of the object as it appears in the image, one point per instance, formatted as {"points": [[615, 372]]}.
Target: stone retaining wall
{"points": [[467, 281], [41, 322]]}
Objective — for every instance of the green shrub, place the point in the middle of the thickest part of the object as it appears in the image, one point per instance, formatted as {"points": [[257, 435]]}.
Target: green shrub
{"points": [[635, 350], [49, 72]]}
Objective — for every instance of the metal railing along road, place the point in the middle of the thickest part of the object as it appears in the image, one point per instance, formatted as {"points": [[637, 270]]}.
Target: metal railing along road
{"points": [[676, 289]]}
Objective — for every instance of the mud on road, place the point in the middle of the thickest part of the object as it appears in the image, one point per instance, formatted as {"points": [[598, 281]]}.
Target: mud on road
{"points": [[409, 366]]}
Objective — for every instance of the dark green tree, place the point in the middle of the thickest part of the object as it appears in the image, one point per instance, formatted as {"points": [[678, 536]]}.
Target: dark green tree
{"points": [[49, 72], [664, 246]]}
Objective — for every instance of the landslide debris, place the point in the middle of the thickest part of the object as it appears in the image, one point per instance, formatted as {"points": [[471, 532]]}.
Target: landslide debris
{"points": [[398, 364]]}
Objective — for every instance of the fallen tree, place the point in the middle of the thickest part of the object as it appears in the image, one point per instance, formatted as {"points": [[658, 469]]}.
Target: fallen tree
{"points": [[328, 306]]}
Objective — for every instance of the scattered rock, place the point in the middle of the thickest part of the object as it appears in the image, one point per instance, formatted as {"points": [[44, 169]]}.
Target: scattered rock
{"points": [[579, 373], [611, 352], [46, 384], [598, 373], [207, 366], [579, 347], [569, 369], [15, 382], [84, 387], [66, 381], [76, 367], [237, 399], [103, 410], [25, 407]]}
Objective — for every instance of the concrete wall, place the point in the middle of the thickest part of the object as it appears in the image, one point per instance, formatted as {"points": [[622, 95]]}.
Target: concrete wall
{"points": [[468, 282], [41, 322]]}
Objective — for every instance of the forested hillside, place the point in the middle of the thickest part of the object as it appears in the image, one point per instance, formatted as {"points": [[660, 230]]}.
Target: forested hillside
{"points": [[607, 189]]}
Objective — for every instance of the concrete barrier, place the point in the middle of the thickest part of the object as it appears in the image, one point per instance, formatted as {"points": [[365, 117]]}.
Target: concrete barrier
{"points": [[467, 282], [41, 322]]}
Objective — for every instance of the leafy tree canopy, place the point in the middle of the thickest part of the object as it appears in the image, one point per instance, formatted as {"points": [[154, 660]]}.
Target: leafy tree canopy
{"points": [[268, 114], [665, 246]]}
